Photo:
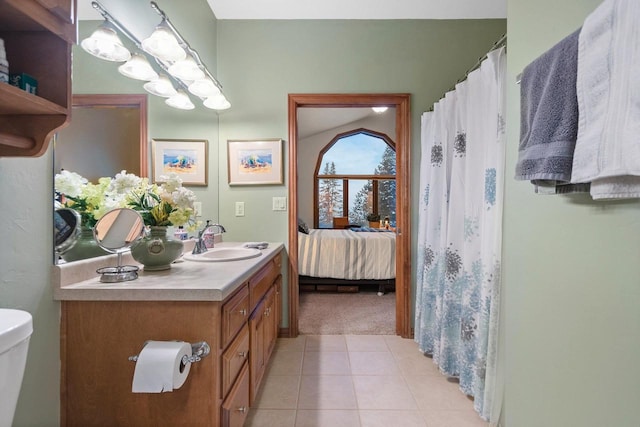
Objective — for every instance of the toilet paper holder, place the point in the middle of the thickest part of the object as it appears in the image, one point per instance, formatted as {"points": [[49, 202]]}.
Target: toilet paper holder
{"points": [[198, 351]]}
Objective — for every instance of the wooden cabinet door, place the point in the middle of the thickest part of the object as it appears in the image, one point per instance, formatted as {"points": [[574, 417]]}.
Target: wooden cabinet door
{"points": [[236, 406], [256, 351], [271, 316]]}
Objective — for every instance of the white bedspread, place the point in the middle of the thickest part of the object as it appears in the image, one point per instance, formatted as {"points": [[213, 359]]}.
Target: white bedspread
{"points": [[345, 254]]}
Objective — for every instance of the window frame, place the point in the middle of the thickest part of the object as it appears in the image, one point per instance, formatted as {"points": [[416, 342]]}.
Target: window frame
{"points": [[346, 177]]}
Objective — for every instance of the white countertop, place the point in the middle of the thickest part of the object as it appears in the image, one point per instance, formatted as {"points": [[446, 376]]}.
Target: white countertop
{"points": [[184, 281]]}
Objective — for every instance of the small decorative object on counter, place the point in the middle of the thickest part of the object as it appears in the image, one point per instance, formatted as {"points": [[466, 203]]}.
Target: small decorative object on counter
{"points": [[4, 64], [85, 247], [157, 251], [208, 237], [181, 233]]}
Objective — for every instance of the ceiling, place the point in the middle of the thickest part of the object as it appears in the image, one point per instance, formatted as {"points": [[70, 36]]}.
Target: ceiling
{"points": [[341, 9], [359, 9]]}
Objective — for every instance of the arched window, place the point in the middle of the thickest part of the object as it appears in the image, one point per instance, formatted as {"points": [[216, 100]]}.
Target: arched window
{"points": [[355, 176]]}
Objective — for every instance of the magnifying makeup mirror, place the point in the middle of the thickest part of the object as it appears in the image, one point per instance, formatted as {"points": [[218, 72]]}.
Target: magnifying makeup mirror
{"points": [[66, 229], [116, 232]]}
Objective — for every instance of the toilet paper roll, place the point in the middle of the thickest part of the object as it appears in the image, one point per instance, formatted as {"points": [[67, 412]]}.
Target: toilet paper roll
{"points": [[159, 367]]}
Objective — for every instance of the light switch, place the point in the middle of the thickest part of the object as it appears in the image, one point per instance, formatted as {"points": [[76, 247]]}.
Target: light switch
{"points": [[279, 203], [239, 208]]}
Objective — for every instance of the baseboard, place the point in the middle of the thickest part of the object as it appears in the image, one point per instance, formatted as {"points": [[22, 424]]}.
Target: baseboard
{"points": [[284, 333]]}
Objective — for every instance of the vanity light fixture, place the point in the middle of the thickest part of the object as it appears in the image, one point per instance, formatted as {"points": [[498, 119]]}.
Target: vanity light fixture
{"points": [[105, 44], [217, 102], [160, 86], [187, 69], [204, 88], [138, 68], [379, 109], [180, 101], [163, 45], [171, 53]]}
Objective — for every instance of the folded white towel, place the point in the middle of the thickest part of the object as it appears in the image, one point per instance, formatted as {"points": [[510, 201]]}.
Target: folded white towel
{"points": [[256, 245], [608, 143]]}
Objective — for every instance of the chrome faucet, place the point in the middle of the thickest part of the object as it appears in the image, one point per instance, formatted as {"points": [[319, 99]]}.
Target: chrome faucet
{"points": [[200, 246]]}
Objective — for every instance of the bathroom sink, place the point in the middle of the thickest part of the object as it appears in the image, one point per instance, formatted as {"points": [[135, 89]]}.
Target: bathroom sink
{"points": [[224, 254]]}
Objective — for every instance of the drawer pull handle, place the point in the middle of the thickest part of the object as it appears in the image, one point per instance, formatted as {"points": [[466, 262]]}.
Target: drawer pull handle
{"points": [[242, 354], [242, 312], [242, 409]]}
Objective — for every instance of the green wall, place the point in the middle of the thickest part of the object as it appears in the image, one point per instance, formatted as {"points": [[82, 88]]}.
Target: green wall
{"points": [[261, 62], [570, 274]]}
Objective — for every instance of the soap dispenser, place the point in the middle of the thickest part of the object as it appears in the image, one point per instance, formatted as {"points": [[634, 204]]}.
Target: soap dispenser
{"points": [[208, 237]]}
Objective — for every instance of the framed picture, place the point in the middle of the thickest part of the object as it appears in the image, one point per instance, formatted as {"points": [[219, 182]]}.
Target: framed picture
{"points": [[185, 157], [256, 162]]}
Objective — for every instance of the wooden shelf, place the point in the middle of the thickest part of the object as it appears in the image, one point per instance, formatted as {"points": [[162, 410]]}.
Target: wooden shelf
{"points": [[16, 101], [38, 35]]}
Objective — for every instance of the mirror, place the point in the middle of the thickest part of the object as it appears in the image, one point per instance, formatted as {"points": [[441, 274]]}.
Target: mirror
{"points": [[66, 229], [107, 134], [116, 232]]}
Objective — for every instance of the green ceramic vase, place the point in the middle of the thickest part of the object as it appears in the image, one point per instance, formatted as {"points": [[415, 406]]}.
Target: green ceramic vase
{"points": [[85, 247], [156, 251]]}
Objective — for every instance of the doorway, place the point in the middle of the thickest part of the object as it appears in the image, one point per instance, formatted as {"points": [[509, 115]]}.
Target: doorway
{"points": [[401, 103]]}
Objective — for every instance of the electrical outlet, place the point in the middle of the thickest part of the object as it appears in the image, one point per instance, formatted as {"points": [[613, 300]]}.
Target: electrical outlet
{"points": [[197, 209], [279, 204], [239, 208]]}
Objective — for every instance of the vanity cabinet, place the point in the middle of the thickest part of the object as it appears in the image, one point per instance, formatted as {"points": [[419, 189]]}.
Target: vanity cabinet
{"points": [[97, 338], [38, 36]]}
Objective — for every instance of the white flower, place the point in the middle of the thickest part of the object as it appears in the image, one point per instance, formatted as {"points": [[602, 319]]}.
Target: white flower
{"points": [[183, 198], [124, 182], [172, 182], [69, 183]]}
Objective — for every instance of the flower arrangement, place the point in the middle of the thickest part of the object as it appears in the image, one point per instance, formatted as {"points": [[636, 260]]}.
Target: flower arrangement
{"points": [[167, 204], [90, 200]]}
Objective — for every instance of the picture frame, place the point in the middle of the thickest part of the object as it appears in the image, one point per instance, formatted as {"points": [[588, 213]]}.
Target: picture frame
{"points": [[255, 162], [186, 157]]}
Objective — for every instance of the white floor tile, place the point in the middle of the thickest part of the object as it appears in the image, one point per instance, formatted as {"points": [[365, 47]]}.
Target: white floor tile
{"points": [[326, 363], [326, 343], [357, 381], [383, 392], [327, 418], [373, 363], [271, 418], [326, 392], [391, 418]]}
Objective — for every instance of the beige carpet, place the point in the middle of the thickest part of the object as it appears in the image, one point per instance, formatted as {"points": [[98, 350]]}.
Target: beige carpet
{"points": [[362, 313]]}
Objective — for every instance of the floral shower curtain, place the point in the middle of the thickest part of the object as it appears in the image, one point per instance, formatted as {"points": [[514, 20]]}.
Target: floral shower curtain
{"points": [[460, 231]]}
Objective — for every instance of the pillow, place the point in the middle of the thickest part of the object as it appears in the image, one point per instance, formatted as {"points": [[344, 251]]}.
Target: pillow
{"points": [[303, 227]]}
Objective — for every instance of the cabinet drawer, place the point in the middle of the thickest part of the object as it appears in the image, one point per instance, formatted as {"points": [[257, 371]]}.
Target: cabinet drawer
{"points": [[234, 358], [235, 407], [260, 283], [235, 313]]}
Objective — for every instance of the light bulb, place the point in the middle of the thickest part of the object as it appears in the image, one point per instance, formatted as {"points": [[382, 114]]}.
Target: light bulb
{"points": [[105, 44]]}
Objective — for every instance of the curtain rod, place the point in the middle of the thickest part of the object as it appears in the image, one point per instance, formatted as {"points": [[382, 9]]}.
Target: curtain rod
{"points": [[502, 41]]}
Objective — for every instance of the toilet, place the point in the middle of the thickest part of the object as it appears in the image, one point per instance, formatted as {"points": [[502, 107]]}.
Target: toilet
{"points": [[15, 330]]}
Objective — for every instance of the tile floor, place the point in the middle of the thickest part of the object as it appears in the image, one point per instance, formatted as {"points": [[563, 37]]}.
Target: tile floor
{"points": [[357, 380]]}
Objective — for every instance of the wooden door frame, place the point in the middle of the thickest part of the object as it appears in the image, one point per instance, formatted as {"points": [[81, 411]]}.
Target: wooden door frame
{"points": [[401, 103], [138, 101]]}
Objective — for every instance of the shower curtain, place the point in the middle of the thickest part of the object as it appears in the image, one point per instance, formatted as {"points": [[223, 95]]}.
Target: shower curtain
{"points": [[460, 231]]}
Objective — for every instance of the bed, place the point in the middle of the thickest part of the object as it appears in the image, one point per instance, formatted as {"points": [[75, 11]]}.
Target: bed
{"points": [[343, 260]]}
